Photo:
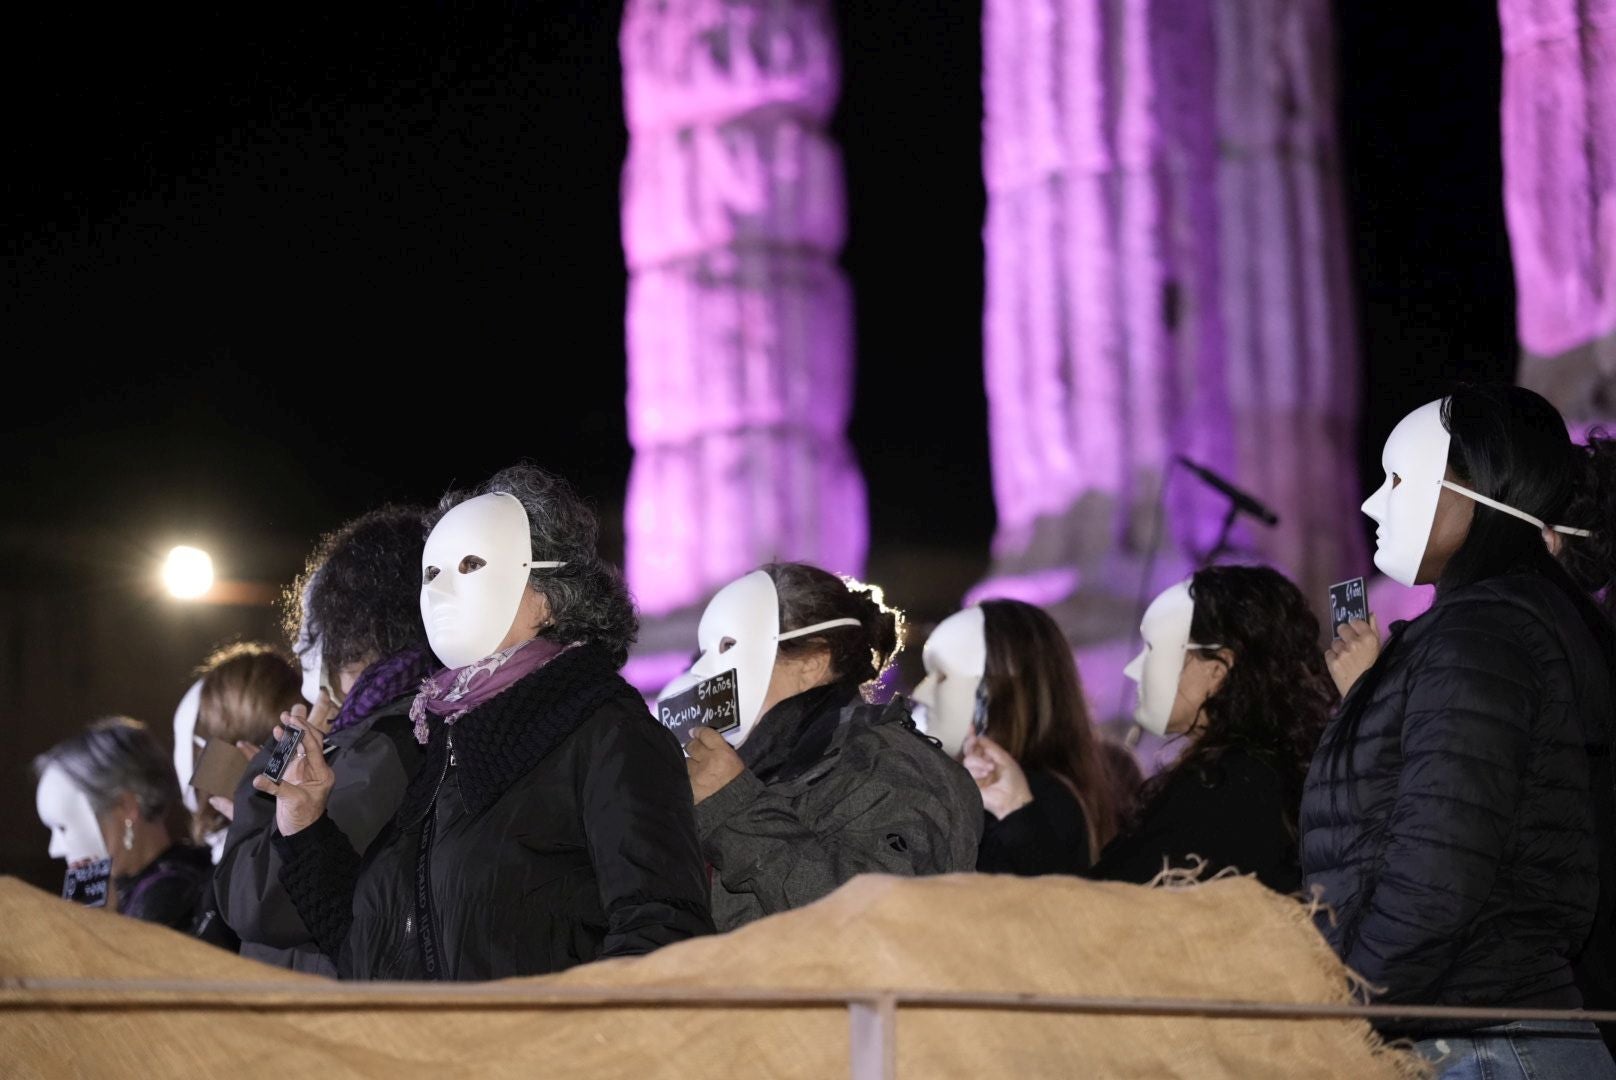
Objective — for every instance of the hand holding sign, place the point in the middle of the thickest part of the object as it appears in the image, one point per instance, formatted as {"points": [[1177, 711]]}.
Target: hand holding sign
{"points": [[712, 703], [87, 883], [1357, 635], [713, 763]]}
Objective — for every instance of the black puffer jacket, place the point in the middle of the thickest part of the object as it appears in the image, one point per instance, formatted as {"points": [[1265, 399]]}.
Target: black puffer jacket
{"points": [[1455, 835], [550, 826]]}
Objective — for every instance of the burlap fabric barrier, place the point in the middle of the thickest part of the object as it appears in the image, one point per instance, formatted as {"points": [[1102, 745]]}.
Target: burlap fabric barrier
{"points": [[1223, 940]]}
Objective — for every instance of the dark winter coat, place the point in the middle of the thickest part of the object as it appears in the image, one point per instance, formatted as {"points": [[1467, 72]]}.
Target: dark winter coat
{"points": [[548, 827], [1231, 812], [170, 890], [1455, 838], [1050, 835], [372, 761], [833, 787]]}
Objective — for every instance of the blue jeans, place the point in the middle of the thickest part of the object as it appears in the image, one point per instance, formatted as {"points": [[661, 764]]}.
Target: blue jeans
{"points": [[1527, 1050]]}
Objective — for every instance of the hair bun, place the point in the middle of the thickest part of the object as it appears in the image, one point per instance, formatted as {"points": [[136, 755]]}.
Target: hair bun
{"points": [[884, 625]]}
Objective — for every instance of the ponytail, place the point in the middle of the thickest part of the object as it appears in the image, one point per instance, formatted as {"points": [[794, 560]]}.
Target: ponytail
{"points": [[1591, 560]]}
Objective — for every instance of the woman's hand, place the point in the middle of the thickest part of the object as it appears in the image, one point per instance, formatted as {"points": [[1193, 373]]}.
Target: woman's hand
{"points": [[1353, 652], [713, 763], [301, 795], [999, 777]]}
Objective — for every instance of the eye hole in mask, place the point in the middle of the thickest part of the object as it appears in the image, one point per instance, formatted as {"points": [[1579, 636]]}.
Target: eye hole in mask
{"points": [[726, 645], [471, 564], [1396, 481], [428, 574]]}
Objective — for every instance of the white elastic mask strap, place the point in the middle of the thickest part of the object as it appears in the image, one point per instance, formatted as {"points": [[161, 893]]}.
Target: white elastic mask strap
{"points": [[814, 629], [549, 565], [1565, 530], [1192, 647]]}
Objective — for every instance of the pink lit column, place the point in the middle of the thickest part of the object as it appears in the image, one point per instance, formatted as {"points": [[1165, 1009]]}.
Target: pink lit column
{"points": [[1559, 117], [739, 320], [1165, 275]]}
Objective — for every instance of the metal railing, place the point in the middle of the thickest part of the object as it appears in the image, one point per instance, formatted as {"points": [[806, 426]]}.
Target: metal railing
{"points": [[872, 1014]]}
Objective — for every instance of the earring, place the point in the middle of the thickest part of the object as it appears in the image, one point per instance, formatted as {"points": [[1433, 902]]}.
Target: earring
{"points": [[128, 834]]}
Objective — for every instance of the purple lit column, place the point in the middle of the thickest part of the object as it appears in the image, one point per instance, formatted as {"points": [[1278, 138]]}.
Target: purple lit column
{"points": [[1165, 275], [739, 321], [1559, 127]]}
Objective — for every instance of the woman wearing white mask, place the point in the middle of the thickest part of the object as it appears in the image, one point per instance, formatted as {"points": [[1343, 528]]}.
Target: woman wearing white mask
{"points": [[813, 785], [109, 795], [1458, 816], [1002, 694], [551, 823], [1231, 663]]}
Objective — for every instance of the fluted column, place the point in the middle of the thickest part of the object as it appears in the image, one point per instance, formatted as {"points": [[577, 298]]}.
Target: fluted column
{"points": [[739, 332], [1559, 129], [1166, 275]]}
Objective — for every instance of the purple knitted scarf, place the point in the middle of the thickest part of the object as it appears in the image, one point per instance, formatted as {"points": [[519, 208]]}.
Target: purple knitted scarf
{"points": [[385, 680]]}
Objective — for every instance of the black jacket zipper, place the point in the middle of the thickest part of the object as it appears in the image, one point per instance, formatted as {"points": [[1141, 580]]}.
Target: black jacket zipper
{"points": [[430, 959]]}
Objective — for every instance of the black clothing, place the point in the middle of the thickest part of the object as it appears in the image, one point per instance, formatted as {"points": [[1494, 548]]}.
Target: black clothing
{"points": [[372, 761], [1231, 812], [1050, 835], [1455, 837], [548, 827], [169, 890]]}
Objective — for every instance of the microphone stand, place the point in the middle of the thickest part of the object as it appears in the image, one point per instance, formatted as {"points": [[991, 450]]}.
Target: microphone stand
{"points": [[1225, 532]]}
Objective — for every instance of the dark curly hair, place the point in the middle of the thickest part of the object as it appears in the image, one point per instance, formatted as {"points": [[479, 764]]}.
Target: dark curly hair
{"points": [[1277, 694], [588, 599], [809, 595], [365, 603]]}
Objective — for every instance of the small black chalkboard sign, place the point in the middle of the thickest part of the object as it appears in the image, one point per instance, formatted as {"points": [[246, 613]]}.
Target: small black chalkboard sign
{"points": [[712, 703], [1349, 602], [87, 884]]}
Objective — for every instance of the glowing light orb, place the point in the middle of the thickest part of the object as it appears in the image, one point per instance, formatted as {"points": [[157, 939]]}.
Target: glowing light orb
{"points": [[187, 573]]}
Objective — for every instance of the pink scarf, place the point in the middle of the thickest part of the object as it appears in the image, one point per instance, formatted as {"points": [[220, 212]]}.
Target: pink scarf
{"points": [[453, 692]]}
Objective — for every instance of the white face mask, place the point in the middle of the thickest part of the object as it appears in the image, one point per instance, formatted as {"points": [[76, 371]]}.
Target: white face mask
{"points": [[740, 632], [1159, 666], [956, 658], [75, 835], [473, 573], [186, 743], [308, 652], [1416, 454]]}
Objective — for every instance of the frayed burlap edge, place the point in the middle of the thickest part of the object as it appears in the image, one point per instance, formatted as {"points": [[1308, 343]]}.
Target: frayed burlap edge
{"points": [[1304, 910]]}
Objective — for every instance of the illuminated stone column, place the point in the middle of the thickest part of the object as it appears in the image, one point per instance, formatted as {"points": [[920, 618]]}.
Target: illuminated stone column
{"points": [[739, 320], [740, 342], [1559, 128], [1165, 275]]}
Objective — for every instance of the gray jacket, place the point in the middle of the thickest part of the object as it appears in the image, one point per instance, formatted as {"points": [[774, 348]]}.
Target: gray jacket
{"points": [[373, 761], [833, 788]]}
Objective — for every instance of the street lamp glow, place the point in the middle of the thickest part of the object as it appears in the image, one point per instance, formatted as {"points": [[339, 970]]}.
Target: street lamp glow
{"points": [[188, 573]]}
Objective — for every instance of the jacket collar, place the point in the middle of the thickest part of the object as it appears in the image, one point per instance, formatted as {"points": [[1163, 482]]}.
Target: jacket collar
{"points": [[799, 730], [502, 740]]}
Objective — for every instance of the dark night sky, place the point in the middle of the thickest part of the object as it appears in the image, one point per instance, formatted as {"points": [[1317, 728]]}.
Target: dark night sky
{"points": [[269, 267]]}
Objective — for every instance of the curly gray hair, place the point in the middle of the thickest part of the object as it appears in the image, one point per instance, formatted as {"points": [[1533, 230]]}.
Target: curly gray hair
{"points": [[588, 598]]}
